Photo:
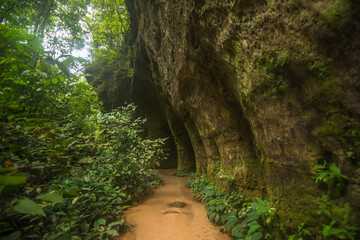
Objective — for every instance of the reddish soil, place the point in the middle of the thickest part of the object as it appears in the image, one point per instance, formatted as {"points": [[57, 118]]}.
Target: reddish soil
{"points": [[153, 219]]}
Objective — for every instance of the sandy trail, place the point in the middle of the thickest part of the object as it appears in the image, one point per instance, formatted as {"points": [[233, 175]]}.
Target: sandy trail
{"points": [[190, 223]]}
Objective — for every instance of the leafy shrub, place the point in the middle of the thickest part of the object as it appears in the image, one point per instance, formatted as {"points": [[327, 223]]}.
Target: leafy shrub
{"points": [[334, 220], [66, 169], [114, 166], [241, 219]]}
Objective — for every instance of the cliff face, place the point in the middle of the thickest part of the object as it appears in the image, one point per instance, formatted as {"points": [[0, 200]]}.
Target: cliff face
{"points": [[262, 91]]}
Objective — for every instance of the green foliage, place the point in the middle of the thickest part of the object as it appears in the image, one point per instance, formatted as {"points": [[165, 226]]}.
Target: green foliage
{"points": [[66, 169], [110, 69], [302, 231], [336, 219], [346, 232], [331, 177], [28, 206], [352, 155], [335, 223], [241, 219], [182, 173], [109, 25], [327, 174], [226, 177], [91, 177], [57, 21]]}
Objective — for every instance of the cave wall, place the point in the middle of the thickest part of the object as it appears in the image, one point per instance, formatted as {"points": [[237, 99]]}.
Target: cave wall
{"points": [[259, 90], [149, 106]]}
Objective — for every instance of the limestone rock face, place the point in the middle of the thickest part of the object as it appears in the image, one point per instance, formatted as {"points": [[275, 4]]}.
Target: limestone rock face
{"points": [[262, 91]]}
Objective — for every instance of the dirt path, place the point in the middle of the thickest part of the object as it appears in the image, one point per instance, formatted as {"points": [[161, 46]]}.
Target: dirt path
{"points": [[155, 220]]}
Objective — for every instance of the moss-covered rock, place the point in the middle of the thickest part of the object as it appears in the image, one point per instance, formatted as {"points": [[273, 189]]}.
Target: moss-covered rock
{"points": [[259, 92]]}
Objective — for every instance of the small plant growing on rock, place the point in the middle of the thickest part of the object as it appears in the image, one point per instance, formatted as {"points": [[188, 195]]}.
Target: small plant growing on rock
{"points": [[302, 231], [332, 178], [228, 178], [328, 174]]}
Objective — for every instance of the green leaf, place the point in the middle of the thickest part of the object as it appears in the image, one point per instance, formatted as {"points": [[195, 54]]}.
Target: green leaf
{"points": [[54, 80], [46, 82], [12, 180], [74, 200], [63, 68], [21, 82], [28, 206], [228, 216], [334, 168], [319, 167], [112, 232], [217, 218], [323, 175], [236, 229], [230, 224], [10, 117], [326, 230], [120, 222], [61, 78], [254, 228], [73, 192], [256, 236], [250, 221], [12, 236], [26, 72], [239, 235], [102, 221], [220, 207], [334, 231], [51, 197], [291, 237], [96, 225], [36, 43], [327, 212], [212, 216], [342, 176]]}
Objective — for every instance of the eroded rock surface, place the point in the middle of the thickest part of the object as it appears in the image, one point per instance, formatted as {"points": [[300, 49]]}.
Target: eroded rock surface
{"points": [[261, 91]]}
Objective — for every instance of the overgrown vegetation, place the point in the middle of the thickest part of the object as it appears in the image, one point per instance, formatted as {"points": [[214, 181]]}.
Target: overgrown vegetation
{"points": [[67, 170], [336, 223], [334, 220], [240, 218], [110, 69], [257, 220], [331, 178]]}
